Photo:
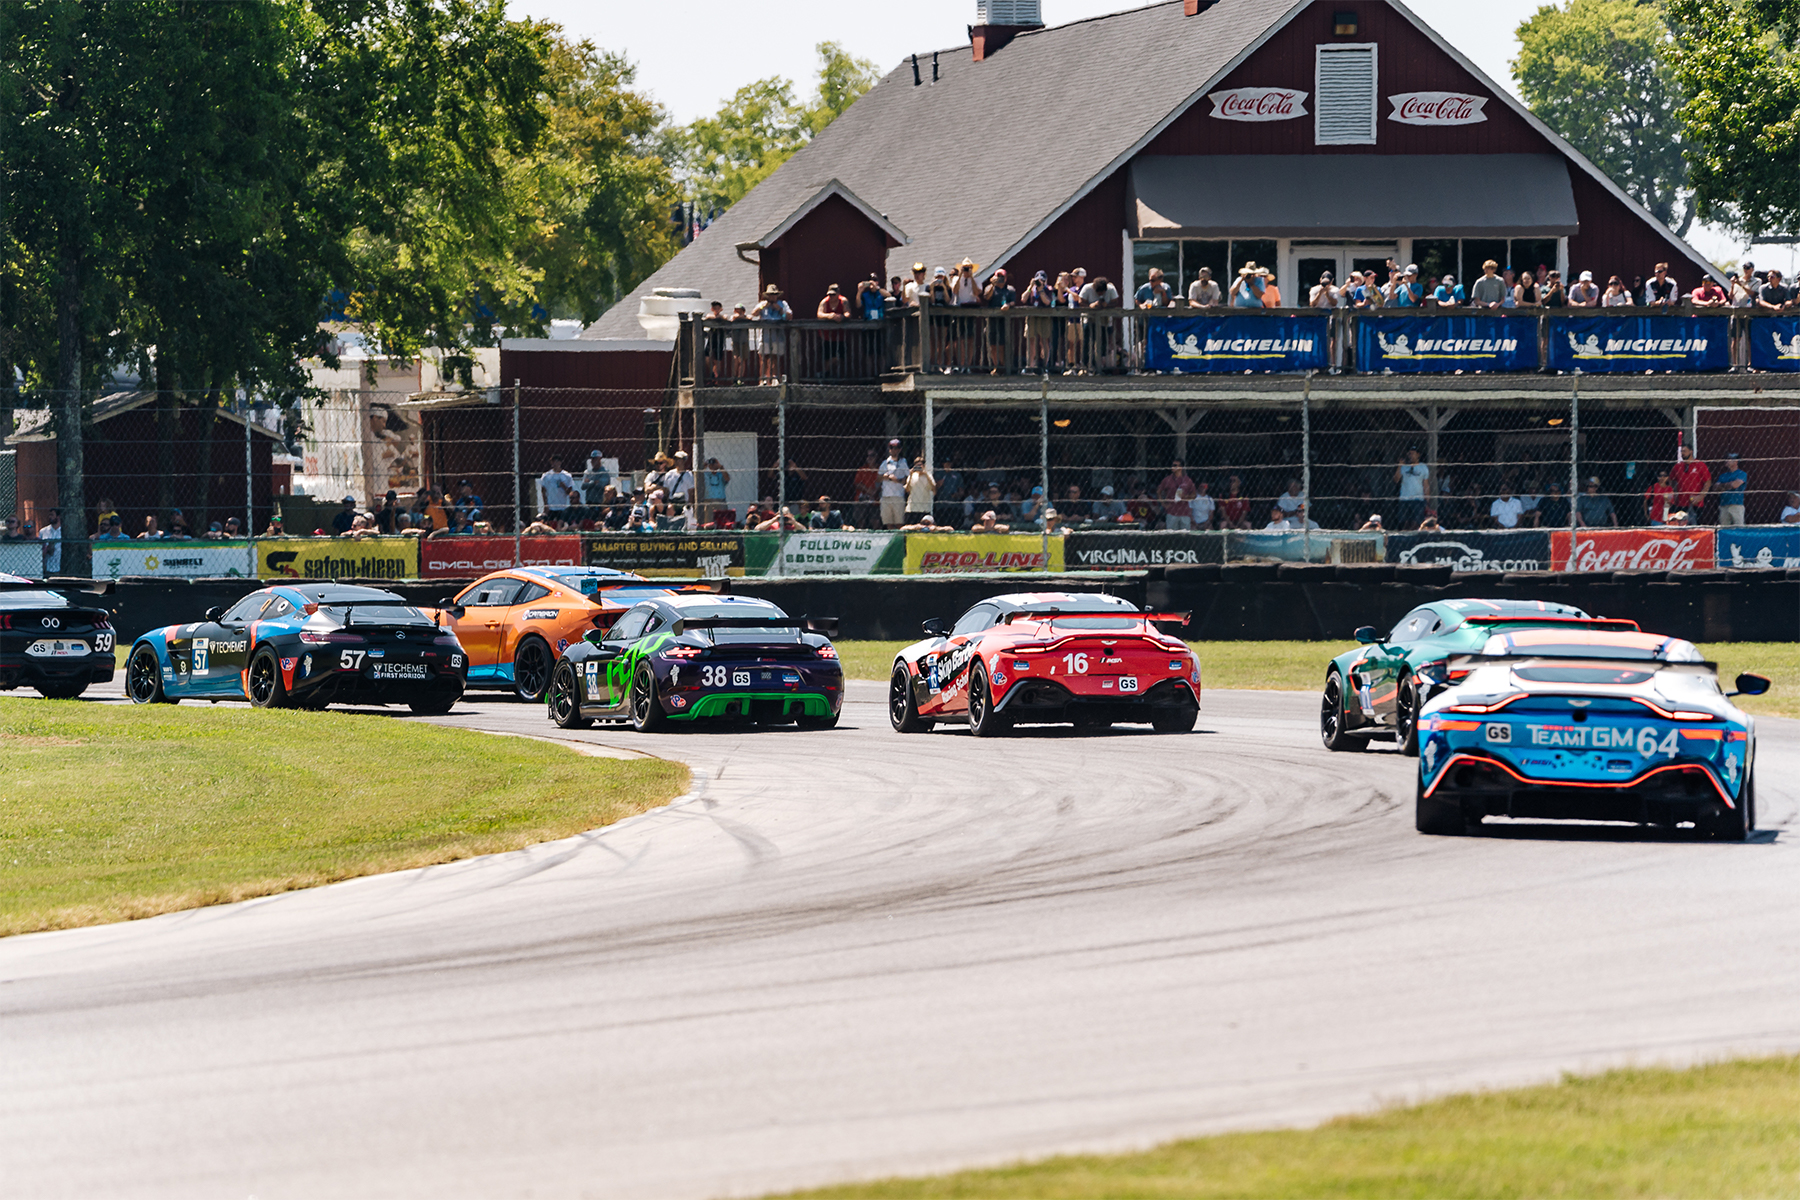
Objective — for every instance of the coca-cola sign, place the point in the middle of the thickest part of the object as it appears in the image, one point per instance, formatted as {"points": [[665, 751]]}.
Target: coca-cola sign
{"points": [[1259, 104], [1438, 108], [1591, 550]]}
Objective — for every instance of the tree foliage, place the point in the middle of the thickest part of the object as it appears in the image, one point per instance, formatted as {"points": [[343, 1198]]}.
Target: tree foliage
{"points": [[1598, 72], [1737, 64], [763, 125]]}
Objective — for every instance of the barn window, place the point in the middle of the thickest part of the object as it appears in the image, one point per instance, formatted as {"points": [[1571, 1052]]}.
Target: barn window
{"points": [[1344, 100]]}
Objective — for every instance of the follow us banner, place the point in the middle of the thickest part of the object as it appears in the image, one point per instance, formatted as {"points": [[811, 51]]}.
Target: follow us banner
{"points": [[1418, 345], [1237, 344], [1599, 345], [1775, 344]]}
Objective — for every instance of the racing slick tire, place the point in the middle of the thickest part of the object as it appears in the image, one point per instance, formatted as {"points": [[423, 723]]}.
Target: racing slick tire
{"points": [[984, 720], [1737, 824], [565, 699], [62, 691], [434, 706], [647, 715], [828, 721], [903, 709], [1331, 718], [1437, 817], [1406, 719], [532, 666], [263, 682], [143, 678], [1179, 721]]}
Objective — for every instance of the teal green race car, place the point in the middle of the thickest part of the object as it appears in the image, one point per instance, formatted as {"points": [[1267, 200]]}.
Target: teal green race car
{"points": [[1374, 693], [692, 658]]}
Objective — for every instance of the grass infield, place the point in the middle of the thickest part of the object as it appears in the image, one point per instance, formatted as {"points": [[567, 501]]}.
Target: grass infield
{"points": [[1300, 666], [110, 813], [1731, 1129]]}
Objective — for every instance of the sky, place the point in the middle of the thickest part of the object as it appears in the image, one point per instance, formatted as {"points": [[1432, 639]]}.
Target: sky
{"points": [[693, 64]]}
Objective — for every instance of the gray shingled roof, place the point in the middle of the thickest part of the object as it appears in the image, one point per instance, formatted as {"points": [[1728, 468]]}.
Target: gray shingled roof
{"points": [[973, 164]]}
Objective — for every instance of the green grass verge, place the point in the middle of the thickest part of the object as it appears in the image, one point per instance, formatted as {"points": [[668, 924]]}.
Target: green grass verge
{"points": [[1731, 1129], [1300, 666], [109, 813]]}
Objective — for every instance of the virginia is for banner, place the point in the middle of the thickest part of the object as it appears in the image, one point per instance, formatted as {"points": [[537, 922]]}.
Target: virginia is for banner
{"points": [[1196, 345], [1409, 345], [1775, 344], [1600, 345]]}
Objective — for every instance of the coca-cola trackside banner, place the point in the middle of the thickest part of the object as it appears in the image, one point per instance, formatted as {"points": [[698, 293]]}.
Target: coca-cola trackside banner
{"points": [[1258, 104], [1438, 108], [1591, 550]]}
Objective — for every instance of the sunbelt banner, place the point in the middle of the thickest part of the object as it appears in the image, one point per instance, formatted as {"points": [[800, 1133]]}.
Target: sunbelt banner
{"points": [[173, 559], [1197, 345], [1419, 345], [1775, 343], [1620, 345]]}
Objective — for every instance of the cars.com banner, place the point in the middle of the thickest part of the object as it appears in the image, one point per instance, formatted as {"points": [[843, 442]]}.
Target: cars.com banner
{"points": [[1128, 551], [469, 557], [1752, 547], [173, 560], [1473, 550], [338, 558], [1418, 345], [1196, 345], [1599, 345], [1589, 550], [978, 553], [1775, 344], [710, 555]]}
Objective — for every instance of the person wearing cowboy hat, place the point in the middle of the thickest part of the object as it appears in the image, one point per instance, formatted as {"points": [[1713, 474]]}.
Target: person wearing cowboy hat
{"points": [[772, 342], [1252, 282]]}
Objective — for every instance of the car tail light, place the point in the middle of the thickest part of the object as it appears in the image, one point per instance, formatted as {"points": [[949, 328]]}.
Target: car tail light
{"points": [[1481, 708], [826, 651], [1459, 725], [683, 652], [1677, 714], [5, 620], [315, 638]]}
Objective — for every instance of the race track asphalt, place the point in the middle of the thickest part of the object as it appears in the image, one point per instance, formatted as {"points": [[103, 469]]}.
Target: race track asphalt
{"points": [[851, 954]]}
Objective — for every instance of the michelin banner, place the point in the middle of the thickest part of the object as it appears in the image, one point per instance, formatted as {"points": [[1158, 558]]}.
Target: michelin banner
{"points": [[1473, 550], [832, 552], [1420, 345], [174, 560], [1197, 345], [980, 553], [1600, 345], [1775, 343], [1127, 551], [334, 558], [1766, 547]]}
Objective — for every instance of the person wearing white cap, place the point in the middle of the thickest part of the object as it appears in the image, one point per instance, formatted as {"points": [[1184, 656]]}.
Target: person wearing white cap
{"points": [[1408, 291], [1585, 293]]}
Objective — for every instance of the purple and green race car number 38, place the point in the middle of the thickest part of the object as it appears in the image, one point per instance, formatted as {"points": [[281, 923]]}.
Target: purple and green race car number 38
{"points": [[1588, 725]]}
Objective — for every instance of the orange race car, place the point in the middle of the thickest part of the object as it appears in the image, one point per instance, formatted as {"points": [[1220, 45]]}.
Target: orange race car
{"points": [[514, 624]]}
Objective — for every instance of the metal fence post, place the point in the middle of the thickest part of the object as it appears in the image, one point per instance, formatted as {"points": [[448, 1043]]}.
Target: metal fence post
{"points": [[781, 461], [1044, 462], [1574, 452], [1306, 517], [518, 482], [249, 480]]}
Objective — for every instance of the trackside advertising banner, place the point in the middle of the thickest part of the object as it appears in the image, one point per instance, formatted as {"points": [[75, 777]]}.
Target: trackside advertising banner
{"points": [[708, 555], [1775, 344], [978, 553], [337, 558], [174, 560], [1749, 547], [1408, 345], [1600, 345], [831, 552], [469, 557], [1197, 345], [1125, 551], [1296, 546], [1632, 549], [1474, 550]]}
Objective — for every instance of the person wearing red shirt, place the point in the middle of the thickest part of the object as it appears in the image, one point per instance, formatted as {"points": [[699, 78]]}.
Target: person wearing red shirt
{"points": [[1692, 479], [1234, 509], [1657, 498]]}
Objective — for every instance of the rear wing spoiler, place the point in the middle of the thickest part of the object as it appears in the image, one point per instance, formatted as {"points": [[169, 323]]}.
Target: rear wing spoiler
{"points": [[715, 587], [90, 587], [1600, 624], [1181, 618], [1469, 662], [825, 625]]}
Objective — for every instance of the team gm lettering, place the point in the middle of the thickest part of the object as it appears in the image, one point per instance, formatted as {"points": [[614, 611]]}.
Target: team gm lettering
{"points": [[1265, 346], [940, 562], [1258, 104], [1655, 554], [1643, 739]]}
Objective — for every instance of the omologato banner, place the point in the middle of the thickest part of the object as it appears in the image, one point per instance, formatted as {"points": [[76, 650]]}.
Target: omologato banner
{"points": [[470, 557]]}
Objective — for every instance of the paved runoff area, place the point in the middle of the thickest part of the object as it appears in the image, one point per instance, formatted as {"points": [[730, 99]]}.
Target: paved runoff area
{"points": [[850, 954]]}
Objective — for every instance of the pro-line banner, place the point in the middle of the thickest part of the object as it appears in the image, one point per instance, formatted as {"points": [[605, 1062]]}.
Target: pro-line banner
{"points": [[176, 560], [1632, 549], [334, 558], [1473, 550], [1775, 343], [833, 552], [1599, 345], [1196, 345], [1418, 345], [1774, 547], [708, 555], [977, 553], [1128, 551], [469, 557]]}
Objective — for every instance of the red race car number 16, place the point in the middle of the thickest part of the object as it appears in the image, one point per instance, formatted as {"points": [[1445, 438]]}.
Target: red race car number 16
{"points": [[1076, 663]]}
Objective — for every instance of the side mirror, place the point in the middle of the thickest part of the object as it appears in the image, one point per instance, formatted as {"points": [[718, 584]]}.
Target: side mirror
{"points": [[1368, 636], [213, 614], [594, 637], [1752, 685], [934, 627], [456, 611]]}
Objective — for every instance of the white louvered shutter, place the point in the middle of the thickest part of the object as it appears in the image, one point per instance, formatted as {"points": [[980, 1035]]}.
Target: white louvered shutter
{"points": [[1345, 100]]}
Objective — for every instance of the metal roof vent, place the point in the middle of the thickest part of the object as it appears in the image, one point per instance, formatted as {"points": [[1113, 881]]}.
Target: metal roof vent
{"points": [[1009, 12]]}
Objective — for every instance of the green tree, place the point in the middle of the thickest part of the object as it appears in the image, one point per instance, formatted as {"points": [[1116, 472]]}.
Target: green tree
{"points": [[1598, 73], [1737, 64], [762, 126]]}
